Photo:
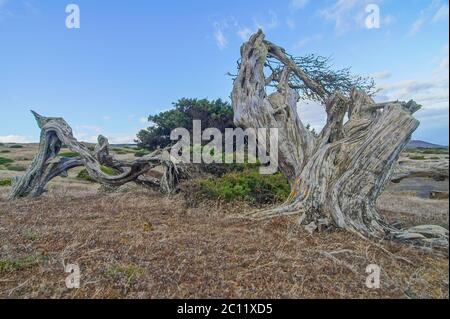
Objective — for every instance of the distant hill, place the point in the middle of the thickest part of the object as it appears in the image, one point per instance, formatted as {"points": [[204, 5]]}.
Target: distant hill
{"points": [[422, 144]]}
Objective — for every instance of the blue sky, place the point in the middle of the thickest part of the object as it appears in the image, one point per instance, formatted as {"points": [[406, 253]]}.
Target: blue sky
{"points": [[131, 59]]}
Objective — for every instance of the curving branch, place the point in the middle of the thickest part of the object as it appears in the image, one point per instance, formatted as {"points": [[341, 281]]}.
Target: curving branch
{"points": [[55, 132]]}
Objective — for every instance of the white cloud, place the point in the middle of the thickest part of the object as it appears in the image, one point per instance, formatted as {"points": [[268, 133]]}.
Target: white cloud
{"points": [[312, 113], [106, 118], [431, 92], [14, 138], [443, 64], [244, 33], [339, 14], [441, 14], [223, 28], [299, 4], [143, 120], [436, 11], [221, 40], [290, 23], [122, 139], [416, 26], [4, 13], [93, 128], [267, 24], [388, 20], [306, 41], [381, 75]]}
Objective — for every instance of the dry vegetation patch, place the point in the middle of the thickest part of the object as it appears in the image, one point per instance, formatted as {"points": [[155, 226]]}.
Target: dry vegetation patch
{"points": [[140, 245]]}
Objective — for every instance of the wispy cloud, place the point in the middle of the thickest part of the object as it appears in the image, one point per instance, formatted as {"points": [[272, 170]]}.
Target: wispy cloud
{"points": [[299, 4], [307, 40], [340, 14], [381, 75], [416, 26], [143, 120], [3, 11], [219, 35], [244, 33], [225, 28], [432, 92], [434, 12], [14, 138], [267, 24], [290, 23], [441, 14]]}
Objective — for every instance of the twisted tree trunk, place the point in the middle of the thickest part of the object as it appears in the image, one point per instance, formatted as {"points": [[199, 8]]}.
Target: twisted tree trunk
{"points": [[337, 176], [55, 132]]}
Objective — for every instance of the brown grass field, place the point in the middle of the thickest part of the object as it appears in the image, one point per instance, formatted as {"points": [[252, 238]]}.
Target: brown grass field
{"points": [[139, 244]]}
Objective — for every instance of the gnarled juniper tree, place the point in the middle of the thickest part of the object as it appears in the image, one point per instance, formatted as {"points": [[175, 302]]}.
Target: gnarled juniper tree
{"points": [[336, 176]]}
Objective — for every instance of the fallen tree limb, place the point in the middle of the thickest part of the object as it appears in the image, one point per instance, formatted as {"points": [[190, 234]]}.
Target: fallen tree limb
{"points": [[46, 165]]}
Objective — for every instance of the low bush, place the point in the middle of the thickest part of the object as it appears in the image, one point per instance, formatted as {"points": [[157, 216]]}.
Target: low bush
{"points": [[120, 152], [8, 265], [125, 274], [84, 175], [69, 154], [5, 182], [141, 153], [417, 157], [5, 151], [4, 161], [16, 146], [16, 168], [248, 186], [434, 151]]}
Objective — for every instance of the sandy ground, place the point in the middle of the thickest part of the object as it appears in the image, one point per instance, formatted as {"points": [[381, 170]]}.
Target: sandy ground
{"points": [[139, 244]]}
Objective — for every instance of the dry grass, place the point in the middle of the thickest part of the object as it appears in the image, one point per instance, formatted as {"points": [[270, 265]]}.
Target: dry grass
{"points": [[140, 245], [411, 210]]}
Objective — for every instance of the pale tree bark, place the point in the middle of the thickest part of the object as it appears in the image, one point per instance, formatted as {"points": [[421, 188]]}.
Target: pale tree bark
{"points": [[337, 176], [46, 165]]}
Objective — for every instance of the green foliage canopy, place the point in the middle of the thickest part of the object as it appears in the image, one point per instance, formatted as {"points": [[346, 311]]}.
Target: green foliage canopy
{"points": [[215, 113]]}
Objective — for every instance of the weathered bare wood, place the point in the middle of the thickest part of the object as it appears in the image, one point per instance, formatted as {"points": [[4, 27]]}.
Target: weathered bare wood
{"points": [[437, 170], [55, 132], [337, 177]]}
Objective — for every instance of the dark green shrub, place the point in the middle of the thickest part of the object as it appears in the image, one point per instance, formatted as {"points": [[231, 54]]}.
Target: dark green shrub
{"points": [[69, 154], [5, 151], [248, 186], [4, 161], [5, 182], [435, 151], [123, 151], [16, 146], [16, 168], [8, 265], [215, 113], [84, 175], [141, 153], [417, 157]]}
